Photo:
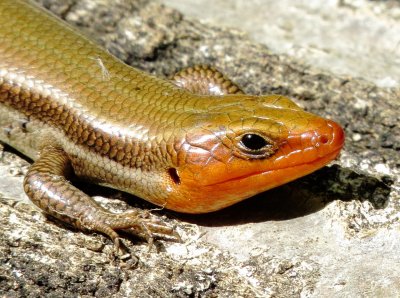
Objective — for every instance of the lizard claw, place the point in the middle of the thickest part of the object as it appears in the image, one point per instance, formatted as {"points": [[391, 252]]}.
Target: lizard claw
{"points": [[135, 222], [150, 227]]}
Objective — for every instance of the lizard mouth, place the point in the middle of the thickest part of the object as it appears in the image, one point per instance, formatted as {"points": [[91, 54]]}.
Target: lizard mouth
{"points": [[302, 169]]}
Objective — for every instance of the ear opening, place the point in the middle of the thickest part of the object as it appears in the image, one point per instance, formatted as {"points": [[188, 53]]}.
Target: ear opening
{"points": [[173, 173]]}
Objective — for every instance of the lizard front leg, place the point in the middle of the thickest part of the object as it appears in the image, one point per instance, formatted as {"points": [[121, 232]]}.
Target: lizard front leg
{"points": [[47, 185]]}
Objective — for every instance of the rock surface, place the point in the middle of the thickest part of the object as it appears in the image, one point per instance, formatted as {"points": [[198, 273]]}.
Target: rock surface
{"points": [[333, 233], [360, 38]]}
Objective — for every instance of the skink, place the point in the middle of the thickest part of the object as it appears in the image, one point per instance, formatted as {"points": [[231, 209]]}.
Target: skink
{"points": [[195, 144]]}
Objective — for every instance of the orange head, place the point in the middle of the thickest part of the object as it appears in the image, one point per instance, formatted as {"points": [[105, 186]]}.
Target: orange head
{"points": [[244, 145]]}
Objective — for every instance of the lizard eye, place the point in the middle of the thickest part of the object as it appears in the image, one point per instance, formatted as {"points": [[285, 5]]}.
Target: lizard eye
{"points": [[253, 142], [255, 145]]}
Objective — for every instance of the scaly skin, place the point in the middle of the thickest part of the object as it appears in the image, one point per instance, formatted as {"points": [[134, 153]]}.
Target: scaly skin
{"points": [[75, 109]]}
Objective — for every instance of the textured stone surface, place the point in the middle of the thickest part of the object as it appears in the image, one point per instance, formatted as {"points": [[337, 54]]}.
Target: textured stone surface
{"points": [[333, 233], [358, 38]]}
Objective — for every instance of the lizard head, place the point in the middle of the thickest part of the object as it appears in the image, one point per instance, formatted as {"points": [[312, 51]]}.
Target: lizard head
{"points": [[244, 146]]}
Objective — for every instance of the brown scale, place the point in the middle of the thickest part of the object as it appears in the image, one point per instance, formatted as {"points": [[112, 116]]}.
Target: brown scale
{"points": [[40, 108]]}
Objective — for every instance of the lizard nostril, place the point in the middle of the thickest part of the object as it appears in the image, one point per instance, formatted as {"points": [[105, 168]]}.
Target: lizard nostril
{"points": [[324, 139]]}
